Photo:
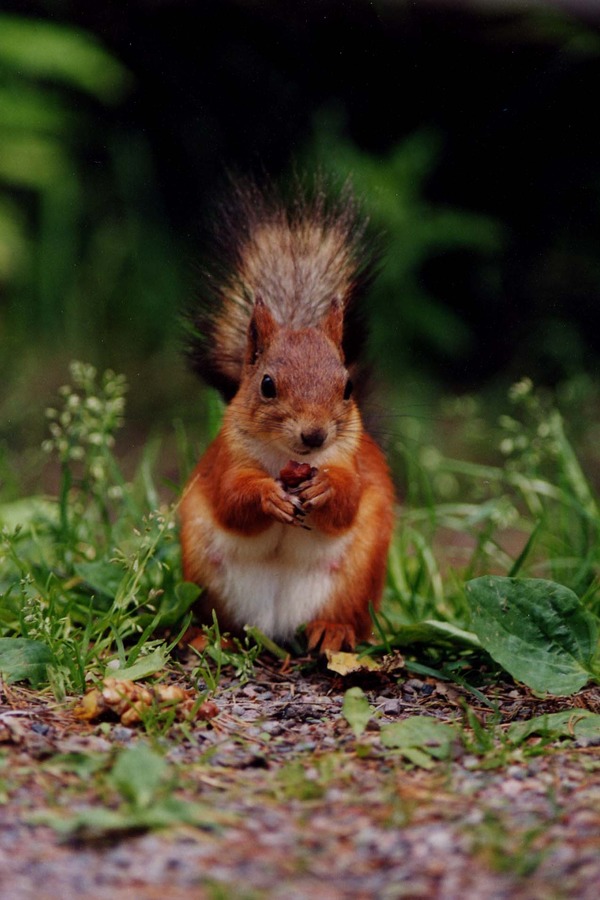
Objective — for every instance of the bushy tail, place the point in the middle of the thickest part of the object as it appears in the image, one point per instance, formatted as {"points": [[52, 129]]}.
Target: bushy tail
{"points": [[297, 256]]}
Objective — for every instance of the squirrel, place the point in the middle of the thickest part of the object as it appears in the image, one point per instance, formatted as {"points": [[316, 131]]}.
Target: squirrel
{"points": [[287, 518]]}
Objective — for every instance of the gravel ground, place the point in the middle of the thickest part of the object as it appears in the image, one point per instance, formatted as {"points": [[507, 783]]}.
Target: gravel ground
{"points": [[314, 812]]}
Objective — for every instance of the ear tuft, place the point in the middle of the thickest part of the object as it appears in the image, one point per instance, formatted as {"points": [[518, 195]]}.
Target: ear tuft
{"points": [[333, 323], [261, 329]]}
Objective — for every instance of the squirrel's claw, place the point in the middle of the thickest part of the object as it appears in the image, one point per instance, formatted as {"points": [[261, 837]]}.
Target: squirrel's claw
{"points": [[330, 636], [316, 492], [279, 505]]}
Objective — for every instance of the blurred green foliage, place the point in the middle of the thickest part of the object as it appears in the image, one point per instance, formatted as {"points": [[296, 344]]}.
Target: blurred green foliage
{"points": [[90, 264], [85, 251], [466, 134], [403, 313]]}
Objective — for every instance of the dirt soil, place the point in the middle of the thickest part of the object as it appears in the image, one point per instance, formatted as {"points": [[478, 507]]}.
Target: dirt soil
{"points": [[314, 811]]}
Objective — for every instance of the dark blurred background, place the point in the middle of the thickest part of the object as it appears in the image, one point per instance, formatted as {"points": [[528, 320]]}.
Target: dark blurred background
{"points": [[470, 128]]}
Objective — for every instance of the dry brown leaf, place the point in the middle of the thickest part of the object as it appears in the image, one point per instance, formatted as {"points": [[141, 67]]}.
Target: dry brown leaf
{"points": [[392, 663]]}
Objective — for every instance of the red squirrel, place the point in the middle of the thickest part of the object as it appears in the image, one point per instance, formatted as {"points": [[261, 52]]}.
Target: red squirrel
{"points": [[288, 516]]}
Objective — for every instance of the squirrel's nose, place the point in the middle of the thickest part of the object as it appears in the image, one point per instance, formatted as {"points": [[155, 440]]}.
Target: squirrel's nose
{"points": [[314, 438]]}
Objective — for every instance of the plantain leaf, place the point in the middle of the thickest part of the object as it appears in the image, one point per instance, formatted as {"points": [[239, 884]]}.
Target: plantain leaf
{"points": [[576, 724], [24, 660], [537, 630]]}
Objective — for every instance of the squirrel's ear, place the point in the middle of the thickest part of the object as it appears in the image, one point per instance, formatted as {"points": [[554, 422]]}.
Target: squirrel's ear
{"points": [[333, 323], [260, 331]]}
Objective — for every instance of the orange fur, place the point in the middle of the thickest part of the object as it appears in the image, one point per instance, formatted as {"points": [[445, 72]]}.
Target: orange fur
{"points": [[234, 494]]}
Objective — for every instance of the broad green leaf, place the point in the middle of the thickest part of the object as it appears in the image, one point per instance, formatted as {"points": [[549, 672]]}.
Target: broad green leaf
{"points": [[138, 774], [573, 723], [143, 667], [20, 513], [537, 630], [24, 660], [356, 710], [419, 738], [174, 607], [101, 575]]}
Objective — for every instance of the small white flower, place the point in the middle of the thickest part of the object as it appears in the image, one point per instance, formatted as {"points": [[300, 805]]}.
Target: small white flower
{"points": [[521, 389], [94, 404]]}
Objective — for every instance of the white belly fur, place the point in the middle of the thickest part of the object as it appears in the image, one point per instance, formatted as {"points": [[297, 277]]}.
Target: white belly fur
{"points": [[277, 580]]}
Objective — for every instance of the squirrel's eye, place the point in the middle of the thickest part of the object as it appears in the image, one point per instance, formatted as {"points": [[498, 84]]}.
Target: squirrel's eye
{"points": [[348, 390], [267, 387]]}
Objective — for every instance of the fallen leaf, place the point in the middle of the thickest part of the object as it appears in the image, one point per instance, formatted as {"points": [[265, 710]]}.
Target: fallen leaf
{"points": [[345, 663]]}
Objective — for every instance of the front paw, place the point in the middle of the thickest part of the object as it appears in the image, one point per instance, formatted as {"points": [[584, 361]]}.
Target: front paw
{"points": [[316, 492], [279, 505]]}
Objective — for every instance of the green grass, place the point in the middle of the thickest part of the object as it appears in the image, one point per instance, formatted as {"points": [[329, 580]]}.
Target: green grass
{"points": [[532, 513], [93, 574], [90, 581]]}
